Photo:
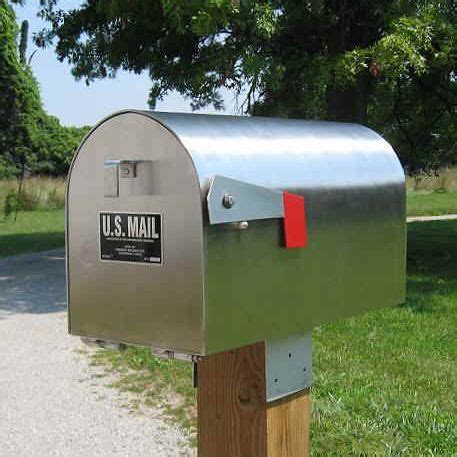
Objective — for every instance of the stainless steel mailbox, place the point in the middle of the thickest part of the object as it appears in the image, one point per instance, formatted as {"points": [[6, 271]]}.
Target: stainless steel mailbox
{"points": [[176, 229]]}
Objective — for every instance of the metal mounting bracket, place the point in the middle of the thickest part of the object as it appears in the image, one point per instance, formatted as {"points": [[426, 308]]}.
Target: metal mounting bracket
{"points": [[288, 365], [230, 200]]}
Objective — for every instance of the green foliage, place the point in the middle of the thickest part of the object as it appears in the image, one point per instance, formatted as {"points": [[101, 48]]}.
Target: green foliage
{"points": [[19, 104], [30, 139], [414, 99], [390, 65], [57, 144], [11, 204]]}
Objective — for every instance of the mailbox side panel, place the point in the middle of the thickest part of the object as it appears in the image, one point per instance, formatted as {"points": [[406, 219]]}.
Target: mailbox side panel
{"points": [[354, 192], [157, 302], [354, 262]]}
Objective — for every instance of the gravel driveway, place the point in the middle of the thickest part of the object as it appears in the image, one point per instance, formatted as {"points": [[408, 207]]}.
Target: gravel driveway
{"points": [[52, 403]]}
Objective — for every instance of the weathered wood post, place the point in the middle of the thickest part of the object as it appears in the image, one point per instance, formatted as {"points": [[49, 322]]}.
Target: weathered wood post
{"points": [[235, 418]]}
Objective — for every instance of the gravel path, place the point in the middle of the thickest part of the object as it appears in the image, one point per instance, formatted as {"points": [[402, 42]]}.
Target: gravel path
{"points": [[52, 403]]}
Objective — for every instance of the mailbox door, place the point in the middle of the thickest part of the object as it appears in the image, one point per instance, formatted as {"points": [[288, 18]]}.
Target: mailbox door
{"points": [[134, 233]]}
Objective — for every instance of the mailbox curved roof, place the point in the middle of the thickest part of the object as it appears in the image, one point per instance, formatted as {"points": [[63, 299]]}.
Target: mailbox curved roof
{"points": [[286, 154]]}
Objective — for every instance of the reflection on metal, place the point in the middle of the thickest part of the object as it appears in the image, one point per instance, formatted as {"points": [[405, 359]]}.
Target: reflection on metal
{"points": [[111, 178], [288, 365], [230, 200], [220, 287]]}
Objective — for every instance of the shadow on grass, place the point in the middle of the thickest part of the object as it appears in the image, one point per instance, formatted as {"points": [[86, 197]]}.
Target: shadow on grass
{"points": [[426, 295], [432, 249], [432, 265], [12, 244], [33, 283]]}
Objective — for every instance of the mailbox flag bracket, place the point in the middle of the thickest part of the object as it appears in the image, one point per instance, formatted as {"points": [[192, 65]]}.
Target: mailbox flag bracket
{"points": [[247, 201], [230, 200]]}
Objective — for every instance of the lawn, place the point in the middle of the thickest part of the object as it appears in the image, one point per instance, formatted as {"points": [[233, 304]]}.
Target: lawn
{"points": [[431, 203], [385, 383], [32, 231]]}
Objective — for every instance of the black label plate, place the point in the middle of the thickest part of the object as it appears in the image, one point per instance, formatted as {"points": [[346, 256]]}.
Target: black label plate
{"points": [[131, 237]]}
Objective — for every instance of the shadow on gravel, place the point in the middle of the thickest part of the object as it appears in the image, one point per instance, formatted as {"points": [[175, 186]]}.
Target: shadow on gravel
{"points": [[33, 283]]}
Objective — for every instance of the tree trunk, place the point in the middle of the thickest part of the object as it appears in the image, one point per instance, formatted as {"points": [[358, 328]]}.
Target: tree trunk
{"points": [[349, 104]]}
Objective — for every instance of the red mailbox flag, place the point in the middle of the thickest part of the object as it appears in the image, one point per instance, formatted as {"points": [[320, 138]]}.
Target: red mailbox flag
{"points": [[295, 229]]}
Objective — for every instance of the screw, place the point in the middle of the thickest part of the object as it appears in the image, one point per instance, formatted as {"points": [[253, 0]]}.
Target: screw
{"points": [[228, 201]]}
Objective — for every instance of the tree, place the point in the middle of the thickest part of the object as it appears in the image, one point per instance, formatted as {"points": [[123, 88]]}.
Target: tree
{"points": [[30, 139], [20, 103], [386, 63]]}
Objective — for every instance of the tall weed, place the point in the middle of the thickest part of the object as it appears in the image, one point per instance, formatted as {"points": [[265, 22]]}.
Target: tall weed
{"points": [[444, 180], [37, 193]]}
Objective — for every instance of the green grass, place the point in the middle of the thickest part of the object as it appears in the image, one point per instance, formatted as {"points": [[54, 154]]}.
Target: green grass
{"points": [[432, 203], [33, 231], [385, 382]]}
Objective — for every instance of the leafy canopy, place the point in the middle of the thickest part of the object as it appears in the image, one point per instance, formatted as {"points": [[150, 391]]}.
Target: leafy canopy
{"points": [[30, 139], [386, 63]]}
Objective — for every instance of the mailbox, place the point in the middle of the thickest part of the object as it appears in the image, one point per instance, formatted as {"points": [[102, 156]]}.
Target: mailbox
{"points": [[202, 233]]}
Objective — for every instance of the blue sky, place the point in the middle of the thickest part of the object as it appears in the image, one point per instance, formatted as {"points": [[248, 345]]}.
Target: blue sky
{"points": [[75, 103]]}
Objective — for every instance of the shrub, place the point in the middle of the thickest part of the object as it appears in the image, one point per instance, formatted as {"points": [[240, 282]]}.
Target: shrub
{"points": [[11, 204]]}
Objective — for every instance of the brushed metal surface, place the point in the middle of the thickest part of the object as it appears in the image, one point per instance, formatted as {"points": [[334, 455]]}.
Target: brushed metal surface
{"points": [[221, 287], [251, 202]]}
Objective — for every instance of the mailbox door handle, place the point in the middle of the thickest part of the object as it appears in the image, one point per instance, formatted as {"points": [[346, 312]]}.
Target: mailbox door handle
{"points": [[111, 178]]}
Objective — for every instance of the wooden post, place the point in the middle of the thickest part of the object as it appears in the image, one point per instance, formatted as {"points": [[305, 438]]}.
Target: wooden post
{"points": [[234, 418], [288, 422]]}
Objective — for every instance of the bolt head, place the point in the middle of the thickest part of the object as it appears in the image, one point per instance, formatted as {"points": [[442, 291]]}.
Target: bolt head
{"points": [[228, 201]]}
